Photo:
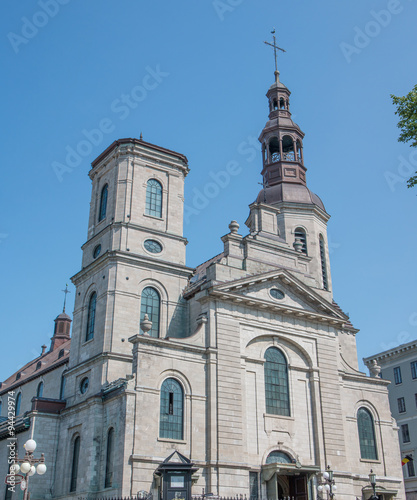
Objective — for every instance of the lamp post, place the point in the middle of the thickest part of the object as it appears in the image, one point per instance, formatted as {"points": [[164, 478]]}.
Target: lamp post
{"points": [[327, 485], [372, 480], [26, 466]]}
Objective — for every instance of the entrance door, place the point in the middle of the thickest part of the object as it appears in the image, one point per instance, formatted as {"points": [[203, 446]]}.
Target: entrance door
{"points": [[298, 487]]}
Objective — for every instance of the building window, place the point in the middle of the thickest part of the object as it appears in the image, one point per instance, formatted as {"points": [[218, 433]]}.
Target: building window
{"points": [[150, 305], [277, 396], [300, 234], [405, 433], [414, 370], [366, 434], [91, 318], [1, 404], [61, 353], [62, 388], [18, 375], [153, 198], [323, 263], [38, 365], [74, 466], [253, 486], [109, 459], [103, 203], [278, 457], [410, 468], [172, 410], [401, 405], [39, 392], [397, 375], [18, 404]]}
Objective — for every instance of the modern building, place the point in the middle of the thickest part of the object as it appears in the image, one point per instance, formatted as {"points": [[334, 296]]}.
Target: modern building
{"points": [[399, 366], [245, 365]]}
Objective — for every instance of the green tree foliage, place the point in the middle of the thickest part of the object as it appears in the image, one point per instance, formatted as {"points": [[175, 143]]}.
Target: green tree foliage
{"points": [[407, 111]]}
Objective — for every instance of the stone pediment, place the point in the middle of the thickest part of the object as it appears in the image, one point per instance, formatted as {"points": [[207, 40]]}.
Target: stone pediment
{"points": [[282, 292]]}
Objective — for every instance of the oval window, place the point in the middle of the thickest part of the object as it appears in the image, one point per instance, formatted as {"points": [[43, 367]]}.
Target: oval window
{"points": [[84, 385], [97, 251], [277, 294], [152, 246]]}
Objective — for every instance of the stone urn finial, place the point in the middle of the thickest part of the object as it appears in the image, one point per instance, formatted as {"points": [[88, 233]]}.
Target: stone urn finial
{"points": [[146, 325], [234, 227], [374, 369], [298, 245]]}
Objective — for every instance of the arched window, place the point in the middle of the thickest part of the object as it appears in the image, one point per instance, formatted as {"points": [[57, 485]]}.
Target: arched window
{"points": [[61, 353], [277, 396], [288, 148], [323, 263], [281, 103], [91, 318], [108, 481], [150, 305], [74, 465], [39, 392], [38, 365], [153, 198], [274, 149], [62, 387], [300, 234], [278, 457], [103, 203], [366, 433], [299, 151], [172, 410], [18, 404]]}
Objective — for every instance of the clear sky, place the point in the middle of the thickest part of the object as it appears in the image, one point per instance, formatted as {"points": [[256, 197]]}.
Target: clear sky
{"points": [[69, 64]]}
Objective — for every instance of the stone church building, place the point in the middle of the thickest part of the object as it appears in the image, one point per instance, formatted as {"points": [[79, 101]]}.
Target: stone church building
{"points": [[245, 365]]}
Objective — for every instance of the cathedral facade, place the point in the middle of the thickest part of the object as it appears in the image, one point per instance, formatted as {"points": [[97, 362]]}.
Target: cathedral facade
{"points": [[245, 365]]}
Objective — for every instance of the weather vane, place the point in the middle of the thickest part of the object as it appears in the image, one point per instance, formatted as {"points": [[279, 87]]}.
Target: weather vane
{"points": [[65, 299], [275, 50]]}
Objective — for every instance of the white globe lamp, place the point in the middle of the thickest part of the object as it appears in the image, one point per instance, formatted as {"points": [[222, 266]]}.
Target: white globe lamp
{"points": [[30, 445], [25, 467], [41, 469]]}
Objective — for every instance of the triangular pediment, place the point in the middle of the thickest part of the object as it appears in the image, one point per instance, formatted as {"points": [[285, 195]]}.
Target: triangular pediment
{"points": [[280, 291], [177, 458]]}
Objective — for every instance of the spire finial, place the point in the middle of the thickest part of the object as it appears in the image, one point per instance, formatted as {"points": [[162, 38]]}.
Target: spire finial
{"points": [[65, 299], [275, 54], [141, 136]]}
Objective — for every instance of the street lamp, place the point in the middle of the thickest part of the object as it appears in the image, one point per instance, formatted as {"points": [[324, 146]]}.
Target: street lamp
{"points": [[372, 480], [327, 485], [26, 466]]}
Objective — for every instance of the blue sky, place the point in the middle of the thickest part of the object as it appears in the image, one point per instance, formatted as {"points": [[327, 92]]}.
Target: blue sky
{"points": [[67, 66]]}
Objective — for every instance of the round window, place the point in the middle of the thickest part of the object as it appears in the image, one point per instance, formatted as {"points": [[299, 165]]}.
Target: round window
{"points": [[84, 385], [153, 246], [277, 294], [97, 251]]}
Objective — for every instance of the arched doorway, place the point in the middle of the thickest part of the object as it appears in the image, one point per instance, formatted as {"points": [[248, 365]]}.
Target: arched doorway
{"points": [[285, 477]]}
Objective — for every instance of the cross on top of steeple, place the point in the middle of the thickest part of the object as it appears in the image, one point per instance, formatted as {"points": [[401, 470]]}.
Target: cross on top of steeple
{"points": [[66, 291], [275, 46]]}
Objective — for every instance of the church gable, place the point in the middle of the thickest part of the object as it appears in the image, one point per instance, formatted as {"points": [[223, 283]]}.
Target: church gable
{"points": [[279, 290]]}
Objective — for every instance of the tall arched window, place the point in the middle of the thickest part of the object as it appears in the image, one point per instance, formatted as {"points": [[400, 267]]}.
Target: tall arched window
{"points": [[277, 396], [108, 481], [366, 433], [91, 318], [323, 263], [39, 392], [300, 234], [150, 305], [74, 465], [62, 387], [172, 410], [153, 198], [18, 404], [103, 203]]}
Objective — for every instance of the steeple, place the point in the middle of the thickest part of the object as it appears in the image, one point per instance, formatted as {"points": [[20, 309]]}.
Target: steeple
{"points": [[62, 326], [282, 140]]}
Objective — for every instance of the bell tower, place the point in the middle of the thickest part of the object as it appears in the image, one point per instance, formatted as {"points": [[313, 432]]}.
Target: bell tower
{"points": [[133, 261], [286, 214]]}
